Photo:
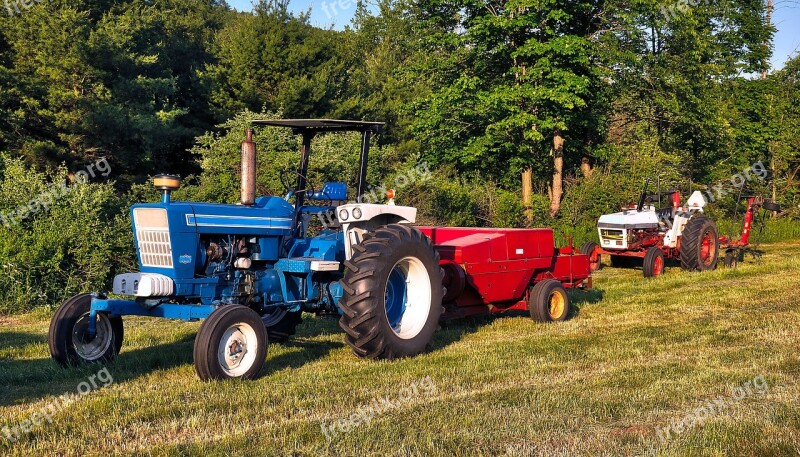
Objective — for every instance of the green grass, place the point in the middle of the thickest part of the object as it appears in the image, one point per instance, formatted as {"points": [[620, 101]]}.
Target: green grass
{"points": [[637, 355]]}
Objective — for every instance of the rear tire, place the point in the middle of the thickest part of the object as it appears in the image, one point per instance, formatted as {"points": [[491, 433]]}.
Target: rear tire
{"points": [[392, 294], [281, 324], [68, 338], [653, 264], [589, 249], [231, 344], [699, 245], [548, 301]]}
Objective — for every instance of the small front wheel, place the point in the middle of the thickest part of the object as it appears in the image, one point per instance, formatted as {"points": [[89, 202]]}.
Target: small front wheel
{"points": [[281, 324], [69, 340], [231, 344], [653, 264], [548, 301]]}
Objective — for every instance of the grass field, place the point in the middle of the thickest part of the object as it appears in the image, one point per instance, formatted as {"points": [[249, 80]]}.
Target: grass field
{"points": [[638, 356]]}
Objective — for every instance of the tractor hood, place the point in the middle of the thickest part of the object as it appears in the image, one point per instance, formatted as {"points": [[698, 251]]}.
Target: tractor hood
{"points": [[630, 219], [167, 235]]}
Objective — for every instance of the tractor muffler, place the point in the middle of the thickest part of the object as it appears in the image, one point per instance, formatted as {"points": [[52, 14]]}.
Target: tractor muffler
{"points": [[249, 170]]}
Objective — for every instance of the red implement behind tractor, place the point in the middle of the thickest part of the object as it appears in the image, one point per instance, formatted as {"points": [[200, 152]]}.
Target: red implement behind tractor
{"points": [[496, 270], [735, 249]]}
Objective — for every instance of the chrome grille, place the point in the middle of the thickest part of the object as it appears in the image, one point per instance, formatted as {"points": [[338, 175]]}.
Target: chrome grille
{"points": [[152, 235]]}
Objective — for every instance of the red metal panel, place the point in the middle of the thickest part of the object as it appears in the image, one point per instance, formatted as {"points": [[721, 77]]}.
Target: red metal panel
{"points": [[501, 263]]}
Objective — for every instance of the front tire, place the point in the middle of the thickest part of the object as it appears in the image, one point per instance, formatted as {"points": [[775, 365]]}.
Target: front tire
{"points": [[699, 245], [653, 264], [392, 294], [231, 344], [68, 338]]}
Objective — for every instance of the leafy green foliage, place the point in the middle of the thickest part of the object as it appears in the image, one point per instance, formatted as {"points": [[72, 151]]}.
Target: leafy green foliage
{"points": [[73, 246]]}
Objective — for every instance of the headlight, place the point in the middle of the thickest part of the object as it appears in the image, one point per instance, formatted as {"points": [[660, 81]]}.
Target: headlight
{"points": [[357, 213], [344, 215]]}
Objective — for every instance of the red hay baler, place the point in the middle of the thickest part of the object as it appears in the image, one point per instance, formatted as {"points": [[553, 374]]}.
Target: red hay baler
{"points": [[496, 270]]}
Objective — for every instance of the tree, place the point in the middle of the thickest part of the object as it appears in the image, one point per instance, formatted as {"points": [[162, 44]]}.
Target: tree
{"points": [[522, 93]]}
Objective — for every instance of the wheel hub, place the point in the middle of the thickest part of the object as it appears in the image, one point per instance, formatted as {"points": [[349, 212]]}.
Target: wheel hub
{"points": [[556, 305], [88, 348], [408, 297], [237, 349]]}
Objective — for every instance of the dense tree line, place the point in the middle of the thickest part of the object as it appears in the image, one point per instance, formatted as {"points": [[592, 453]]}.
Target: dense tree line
{"points": [[522, 93]]}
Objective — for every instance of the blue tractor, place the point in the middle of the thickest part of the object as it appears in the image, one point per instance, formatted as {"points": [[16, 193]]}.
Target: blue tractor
{"points": [[251, 269]]}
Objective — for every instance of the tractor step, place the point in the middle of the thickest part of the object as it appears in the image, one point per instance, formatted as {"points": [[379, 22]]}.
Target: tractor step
{"points": [[305, 265]]}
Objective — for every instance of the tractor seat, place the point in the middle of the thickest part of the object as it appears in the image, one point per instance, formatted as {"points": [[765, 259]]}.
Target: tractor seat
{"points": [[666, 213], [331, 191]]}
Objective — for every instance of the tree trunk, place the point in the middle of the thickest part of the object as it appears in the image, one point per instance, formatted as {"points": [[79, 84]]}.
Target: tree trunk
{"points": [[527, 192], [770, 7], [774, 185], [557, 188], [586, 167]]}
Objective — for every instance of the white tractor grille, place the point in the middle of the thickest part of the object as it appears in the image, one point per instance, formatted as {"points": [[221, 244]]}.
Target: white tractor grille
{"points": [[152, 234]]}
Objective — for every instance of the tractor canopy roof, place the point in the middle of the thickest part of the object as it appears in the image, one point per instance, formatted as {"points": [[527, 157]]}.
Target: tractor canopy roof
{"points": [[324, 125]]}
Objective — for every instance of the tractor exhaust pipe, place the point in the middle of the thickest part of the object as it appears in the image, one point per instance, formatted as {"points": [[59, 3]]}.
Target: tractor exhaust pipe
{"points": [[249, 170]]}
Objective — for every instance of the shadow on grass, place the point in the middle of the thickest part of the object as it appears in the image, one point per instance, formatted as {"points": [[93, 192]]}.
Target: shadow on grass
{"points": [[452, 331], [28, 380], [580, 298], [309, 351], [19, 340]]}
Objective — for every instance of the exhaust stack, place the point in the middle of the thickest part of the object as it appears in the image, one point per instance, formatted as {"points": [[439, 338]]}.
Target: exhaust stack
{"points": [[249, 170]]}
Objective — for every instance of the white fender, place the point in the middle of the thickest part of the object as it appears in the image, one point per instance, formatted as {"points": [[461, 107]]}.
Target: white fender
{"points": [[357, 218]]}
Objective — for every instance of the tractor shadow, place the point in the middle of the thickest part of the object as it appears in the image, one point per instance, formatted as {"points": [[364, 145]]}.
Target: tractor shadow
{"points": [[301, 349], [580, 298], [28, 380], [454, 330]]}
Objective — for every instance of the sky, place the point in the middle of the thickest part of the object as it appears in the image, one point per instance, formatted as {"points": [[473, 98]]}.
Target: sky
{"points": [[338, 13]]}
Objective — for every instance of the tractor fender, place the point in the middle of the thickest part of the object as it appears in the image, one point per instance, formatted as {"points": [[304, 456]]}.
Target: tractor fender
{"points": [[370, 217]]}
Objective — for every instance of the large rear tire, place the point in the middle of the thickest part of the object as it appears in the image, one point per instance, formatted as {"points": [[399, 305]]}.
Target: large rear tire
{"points": [[68, 338], [392, 294], [231, 344], [699, 245], [589, 249]]}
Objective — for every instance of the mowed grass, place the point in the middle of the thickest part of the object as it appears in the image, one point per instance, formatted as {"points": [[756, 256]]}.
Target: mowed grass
{"points": [[638, 354]]}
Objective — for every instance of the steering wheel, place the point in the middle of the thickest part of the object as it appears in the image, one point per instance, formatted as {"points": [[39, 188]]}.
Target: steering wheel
{"points": [[286, 181]]}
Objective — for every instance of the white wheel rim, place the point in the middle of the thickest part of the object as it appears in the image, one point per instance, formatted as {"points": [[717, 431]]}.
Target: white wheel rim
{"points": [[99, 345], [237, 349], [418, 297]]}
